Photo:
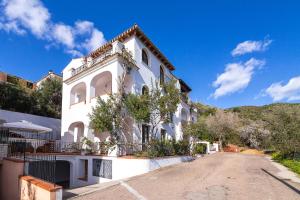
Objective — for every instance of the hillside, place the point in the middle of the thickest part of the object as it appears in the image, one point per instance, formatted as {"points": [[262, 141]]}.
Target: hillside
{"points": [[258, 112]]}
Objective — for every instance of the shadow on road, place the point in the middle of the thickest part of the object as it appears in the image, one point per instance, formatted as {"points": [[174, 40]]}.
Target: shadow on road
{"points": [[282, 181]]}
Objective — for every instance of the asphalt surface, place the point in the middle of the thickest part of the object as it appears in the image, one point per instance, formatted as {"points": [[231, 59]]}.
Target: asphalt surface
{"points": [[216, 177]]}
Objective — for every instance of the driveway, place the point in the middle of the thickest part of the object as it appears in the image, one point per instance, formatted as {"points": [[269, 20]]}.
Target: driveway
{"points": [[229, 176]]}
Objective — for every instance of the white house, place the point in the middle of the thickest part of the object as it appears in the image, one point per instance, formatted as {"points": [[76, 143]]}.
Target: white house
{"points": [[130, 53]]}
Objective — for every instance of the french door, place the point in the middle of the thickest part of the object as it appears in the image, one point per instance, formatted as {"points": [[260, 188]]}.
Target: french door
{"points": [[145, 136]]}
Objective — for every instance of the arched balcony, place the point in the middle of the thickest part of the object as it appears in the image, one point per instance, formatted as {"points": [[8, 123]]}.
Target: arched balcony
{"points": [[76, 131], [78, 93], [101, 84]]}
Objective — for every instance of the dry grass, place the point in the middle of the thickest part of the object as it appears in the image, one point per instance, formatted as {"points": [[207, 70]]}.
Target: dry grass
{"points": [[252, 152]]}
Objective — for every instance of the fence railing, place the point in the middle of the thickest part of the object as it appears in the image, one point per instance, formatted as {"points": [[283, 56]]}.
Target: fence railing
{"points": [[17, 146], [42, 166]]}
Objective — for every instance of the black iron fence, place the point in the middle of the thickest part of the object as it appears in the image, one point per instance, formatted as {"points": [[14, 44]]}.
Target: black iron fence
{"points": [[42, 166], [30, 150]]}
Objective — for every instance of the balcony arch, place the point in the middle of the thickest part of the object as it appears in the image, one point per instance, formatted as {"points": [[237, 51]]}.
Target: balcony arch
{"points": [[101, 84], [76, 130], [78, 93]]}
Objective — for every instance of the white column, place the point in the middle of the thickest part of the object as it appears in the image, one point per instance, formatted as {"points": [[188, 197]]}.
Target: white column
{"points": [[75, 132], [88, 92], [208, 148], [86, 131]]}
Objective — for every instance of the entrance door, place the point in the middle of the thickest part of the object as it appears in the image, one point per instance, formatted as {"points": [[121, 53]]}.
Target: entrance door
{"points": [[62, 173], [145, 136]]}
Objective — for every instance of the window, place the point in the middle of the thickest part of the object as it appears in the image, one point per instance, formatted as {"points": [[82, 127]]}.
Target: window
{"points": [[145, 136], [171, 117], [145, 90], [162, 134], [102, 168], [12, 79], [145, 57], [162, 76], [29, 85]]}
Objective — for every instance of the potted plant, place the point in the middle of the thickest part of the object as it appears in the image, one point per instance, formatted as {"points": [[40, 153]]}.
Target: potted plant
{"points": [[86, 146]]}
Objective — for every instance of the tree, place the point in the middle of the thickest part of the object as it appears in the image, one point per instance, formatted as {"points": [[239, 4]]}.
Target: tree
{"points": [[108, 115], [223, 126], [49, 98], [15, 98], [198, 130], [204, 110], [155, 107], [138, 107], [284, 126], [254, 134], [105, 117]]}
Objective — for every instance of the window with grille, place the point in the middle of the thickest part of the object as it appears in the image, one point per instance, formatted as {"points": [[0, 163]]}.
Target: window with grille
{"points": [[102, 168]]}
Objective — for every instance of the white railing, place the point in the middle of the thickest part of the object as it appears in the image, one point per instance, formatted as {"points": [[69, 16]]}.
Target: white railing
{"points": [[125, 53], [90, 63]]}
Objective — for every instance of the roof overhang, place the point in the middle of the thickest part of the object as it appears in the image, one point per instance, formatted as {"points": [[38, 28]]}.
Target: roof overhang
{"points": [[184, 87], [134, 30]]}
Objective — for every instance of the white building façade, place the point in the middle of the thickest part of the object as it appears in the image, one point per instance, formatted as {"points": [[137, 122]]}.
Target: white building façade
{"points": [[97, 76]]}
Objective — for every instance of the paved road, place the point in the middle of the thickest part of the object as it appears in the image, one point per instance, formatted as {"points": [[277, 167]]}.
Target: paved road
{"points": [[215, 177]]}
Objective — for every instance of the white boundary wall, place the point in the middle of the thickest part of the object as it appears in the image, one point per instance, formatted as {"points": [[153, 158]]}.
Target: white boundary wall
{"points": [[121, 167]]}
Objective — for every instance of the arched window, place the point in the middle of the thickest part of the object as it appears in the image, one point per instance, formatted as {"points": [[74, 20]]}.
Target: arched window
{"points": [[101, 84], [78, 93], [75, 132], [161, 76], [145, 57], [145, 90]]}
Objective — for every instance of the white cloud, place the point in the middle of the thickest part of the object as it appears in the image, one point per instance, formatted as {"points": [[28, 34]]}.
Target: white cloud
{"points": [[74, 53], [290, 91], [63, 34], [251, 46], [21, 16], [97, 39], [29, 14], [236, 77], [83, 27], [12, 27]]}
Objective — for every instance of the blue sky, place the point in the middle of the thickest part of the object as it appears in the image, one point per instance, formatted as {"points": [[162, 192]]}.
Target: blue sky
{"points": [[230, 52]]}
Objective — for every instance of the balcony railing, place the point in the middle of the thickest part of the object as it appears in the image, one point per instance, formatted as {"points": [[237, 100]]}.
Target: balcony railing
{"points": [[125, 53], [88, 63]]}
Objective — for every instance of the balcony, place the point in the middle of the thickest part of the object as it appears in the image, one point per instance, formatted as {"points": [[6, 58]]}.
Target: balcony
{"points": [[90, 62]]}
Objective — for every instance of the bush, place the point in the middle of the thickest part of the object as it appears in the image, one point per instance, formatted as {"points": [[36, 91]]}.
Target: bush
{"points": [[293, 165], [181, 147], [158, 148], [199, 149]]}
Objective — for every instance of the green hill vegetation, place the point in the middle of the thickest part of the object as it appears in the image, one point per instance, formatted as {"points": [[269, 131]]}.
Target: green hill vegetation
{"points": [[273, 127], [261, 112]]}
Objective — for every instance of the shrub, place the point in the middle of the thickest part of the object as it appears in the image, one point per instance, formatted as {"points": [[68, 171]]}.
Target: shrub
{"points": [[199, 149], [293, 165], [181, 147], [158, 148]]}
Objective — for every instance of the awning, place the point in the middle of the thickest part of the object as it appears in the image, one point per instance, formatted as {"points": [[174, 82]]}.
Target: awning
{"points": [[26, 126]]}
